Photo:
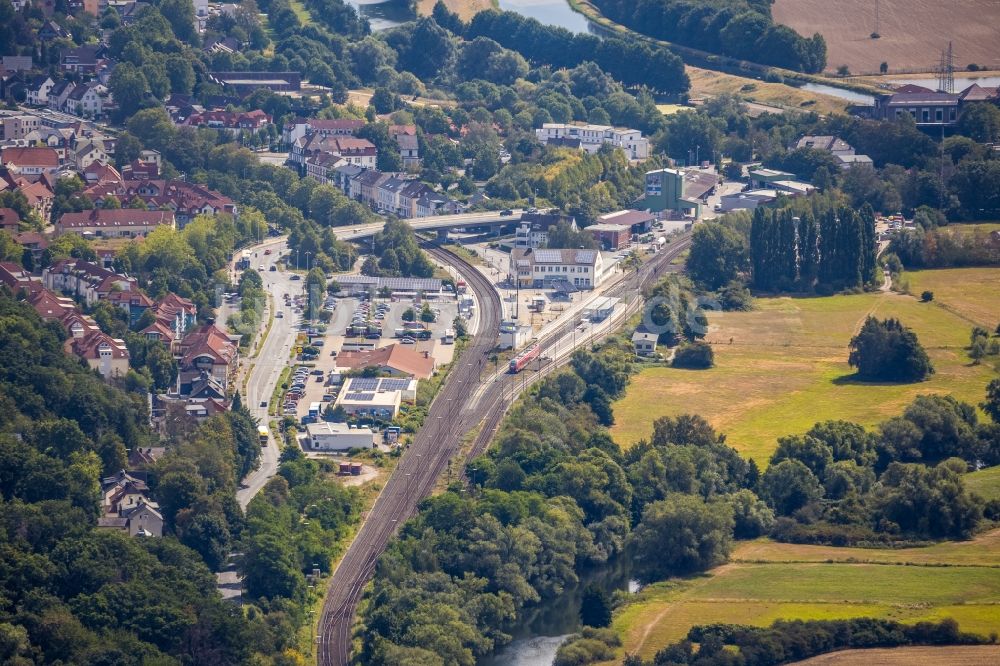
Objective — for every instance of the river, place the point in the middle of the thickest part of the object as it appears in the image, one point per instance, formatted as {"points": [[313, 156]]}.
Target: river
{"points": [[383, 14], [543, 628]]}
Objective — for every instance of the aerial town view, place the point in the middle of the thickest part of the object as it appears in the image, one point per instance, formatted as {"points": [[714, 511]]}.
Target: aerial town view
{"points": [[499, 332]]}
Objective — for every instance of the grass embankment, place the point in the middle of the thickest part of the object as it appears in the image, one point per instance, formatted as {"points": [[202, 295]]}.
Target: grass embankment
{"points": [[769, 581], [710, 83], [786, 365]]}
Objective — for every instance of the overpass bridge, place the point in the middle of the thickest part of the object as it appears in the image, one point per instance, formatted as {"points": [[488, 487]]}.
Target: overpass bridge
{"points": [[440, 223]]}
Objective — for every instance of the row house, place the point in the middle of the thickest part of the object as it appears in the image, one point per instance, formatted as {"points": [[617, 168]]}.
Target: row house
{"points": [[108, 356], [182, 199], [175, 316], [86, 281], [114, 223], [234, 121]]}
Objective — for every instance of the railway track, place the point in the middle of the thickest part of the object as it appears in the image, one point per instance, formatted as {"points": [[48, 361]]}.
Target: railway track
{"points": [[438, 441], [509, 387], [424, 461]]}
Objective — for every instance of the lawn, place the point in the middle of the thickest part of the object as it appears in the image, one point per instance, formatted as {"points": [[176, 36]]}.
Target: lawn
{"points": [[767, 581], [985, 482], [970, 293], [783, 366]]}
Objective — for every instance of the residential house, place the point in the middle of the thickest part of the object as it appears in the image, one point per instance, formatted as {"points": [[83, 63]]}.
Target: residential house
{"points": [[17, 279], [533, 231], [590, 138], [233, 121], [58, 94], [114, 223], [569, 269], [10, 221], [126, 506], [176, 313], [34, 242], [30, 161], [206, 350], [109, 356], [301, 127], [50, 306], [185, 200], [84, 59], [90, 152], [39, 197], [51, 31], [86, 281], [644, 343], [98, 171], [86, 100], [17, 127], [354, 151], [837, 147], [132, 301], [38, 90], [409, 146]]}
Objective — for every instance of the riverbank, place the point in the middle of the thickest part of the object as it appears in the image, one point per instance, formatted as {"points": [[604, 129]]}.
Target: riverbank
{"points": [[713, 61], [465, 9], [781, 97]]}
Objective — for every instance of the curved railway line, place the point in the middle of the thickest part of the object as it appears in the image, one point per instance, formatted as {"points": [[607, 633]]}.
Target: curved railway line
{"points": [[439, 440]]}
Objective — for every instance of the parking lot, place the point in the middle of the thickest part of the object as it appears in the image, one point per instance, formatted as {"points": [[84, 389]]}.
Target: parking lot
{"points": [[355, 321]]}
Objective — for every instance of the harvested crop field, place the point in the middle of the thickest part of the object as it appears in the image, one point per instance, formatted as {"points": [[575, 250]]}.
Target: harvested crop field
{"points": [[966, 655], [913, 32]]}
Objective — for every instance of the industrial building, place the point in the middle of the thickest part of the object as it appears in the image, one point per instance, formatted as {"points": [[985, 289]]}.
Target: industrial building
{"points": [[376, 397], [679, 191], [338, 437]]}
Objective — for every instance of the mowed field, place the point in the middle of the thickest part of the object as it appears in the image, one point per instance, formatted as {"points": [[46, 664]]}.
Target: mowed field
{"points": [[913, 32], [783, 366], [960, 655], [767, 581]]}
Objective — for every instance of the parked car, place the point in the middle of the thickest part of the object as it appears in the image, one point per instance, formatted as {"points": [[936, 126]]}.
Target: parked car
{"points": [[505, 212]]}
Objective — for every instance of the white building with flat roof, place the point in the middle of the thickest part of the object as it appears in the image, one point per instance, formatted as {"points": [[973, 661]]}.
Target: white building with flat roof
{"points": [[552, 268], [325, 436], [591, 137]]}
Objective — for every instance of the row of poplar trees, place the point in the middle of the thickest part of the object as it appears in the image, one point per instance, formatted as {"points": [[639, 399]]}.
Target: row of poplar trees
{"points": [[833, 249]]}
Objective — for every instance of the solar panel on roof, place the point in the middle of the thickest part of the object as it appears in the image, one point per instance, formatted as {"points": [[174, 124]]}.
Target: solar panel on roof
{"points": [[394, 384], [364, 384], [548, 255], [360, 397]]}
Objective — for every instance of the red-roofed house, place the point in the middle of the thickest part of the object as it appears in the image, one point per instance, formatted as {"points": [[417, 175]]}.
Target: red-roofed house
{"points": [[51, 307], [114, 223], [10, 221], [99, 172], [87, 281], [39, 197], [176, 313], [17, 279], [206, 351], [159, 332], [398, 360], [30, 161], [109, 356]]}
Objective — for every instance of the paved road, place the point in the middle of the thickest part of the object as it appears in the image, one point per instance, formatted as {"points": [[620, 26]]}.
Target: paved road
{"points": [[269, 362], [463, 404]]}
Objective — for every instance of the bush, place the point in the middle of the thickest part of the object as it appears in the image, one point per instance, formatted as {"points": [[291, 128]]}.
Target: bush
{"points": [[927, 296], [694, 355]]}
